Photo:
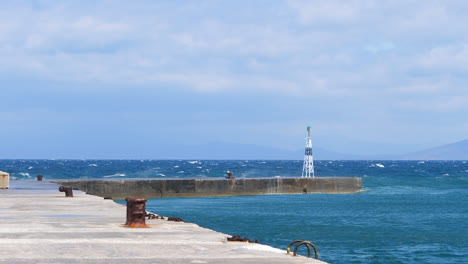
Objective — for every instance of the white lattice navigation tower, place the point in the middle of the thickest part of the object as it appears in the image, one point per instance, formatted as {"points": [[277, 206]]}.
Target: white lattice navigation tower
{"points": [[308, 169]]}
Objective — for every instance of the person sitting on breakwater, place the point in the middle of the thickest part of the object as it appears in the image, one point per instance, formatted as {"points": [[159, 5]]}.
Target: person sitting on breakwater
{"points": [[229, 175]]}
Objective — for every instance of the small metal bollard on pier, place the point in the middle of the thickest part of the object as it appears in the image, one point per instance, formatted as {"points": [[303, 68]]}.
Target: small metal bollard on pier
{"points": [[4, 180], [67, 189], [39, 177], [136, 212]]}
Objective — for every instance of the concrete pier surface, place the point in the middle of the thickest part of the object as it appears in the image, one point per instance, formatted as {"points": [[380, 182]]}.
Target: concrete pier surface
{"points": [[191, 187], [38, 224]]}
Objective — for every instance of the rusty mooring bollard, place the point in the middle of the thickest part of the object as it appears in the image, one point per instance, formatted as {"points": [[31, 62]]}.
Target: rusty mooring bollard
{"points": [[136, 212], [67, 189], [39, 177]]}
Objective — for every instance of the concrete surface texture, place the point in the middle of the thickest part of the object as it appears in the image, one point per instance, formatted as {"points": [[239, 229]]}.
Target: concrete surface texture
{"points": [[158, 188], [38, 224]]}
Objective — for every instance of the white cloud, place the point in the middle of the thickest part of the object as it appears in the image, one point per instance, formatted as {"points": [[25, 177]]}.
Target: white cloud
{"points": [[440, 104], [425, 88], [326, 11], [306, 48], [446, 58]]}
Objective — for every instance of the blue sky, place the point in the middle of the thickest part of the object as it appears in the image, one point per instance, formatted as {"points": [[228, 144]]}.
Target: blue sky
{"points": [[97, 79]]}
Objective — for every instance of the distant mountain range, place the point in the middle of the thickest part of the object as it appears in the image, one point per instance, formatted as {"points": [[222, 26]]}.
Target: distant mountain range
{"points": [[454, 151], [224, 151]]}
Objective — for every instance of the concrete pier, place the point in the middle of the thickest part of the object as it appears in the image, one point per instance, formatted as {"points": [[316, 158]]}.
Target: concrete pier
{"points": [[38, 224], [191, 187]]}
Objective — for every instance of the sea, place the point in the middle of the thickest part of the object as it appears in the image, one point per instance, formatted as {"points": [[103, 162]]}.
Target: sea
{"points": [[407, 212]]}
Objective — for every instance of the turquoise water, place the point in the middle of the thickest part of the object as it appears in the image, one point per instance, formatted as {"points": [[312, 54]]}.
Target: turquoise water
{"points": [[409, 211]]}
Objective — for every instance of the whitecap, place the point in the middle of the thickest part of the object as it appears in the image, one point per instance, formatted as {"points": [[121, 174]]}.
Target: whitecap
{"points": [[193, 162], [30, 168], [176, 166], [199, 167], [25, 174], [377, 165], [161, 174], [181, 172], [92, 165], [115, 175]]}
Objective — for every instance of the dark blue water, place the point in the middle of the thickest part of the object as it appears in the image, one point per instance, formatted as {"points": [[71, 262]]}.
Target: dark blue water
{"points": [[409, 211]]}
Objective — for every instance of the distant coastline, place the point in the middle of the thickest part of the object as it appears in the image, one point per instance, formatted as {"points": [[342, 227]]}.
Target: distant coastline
{"points": [[232, 151]]}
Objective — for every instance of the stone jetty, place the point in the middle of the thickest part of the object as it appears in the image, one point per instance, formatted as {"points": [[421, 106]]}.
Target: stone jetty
{"points": [[191, 187], [38, 224]]}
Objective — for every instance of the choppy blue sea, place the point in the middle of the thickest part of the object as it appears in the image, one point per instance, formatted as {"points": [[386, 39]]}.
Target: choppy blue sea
{"points": [[408, 212]]}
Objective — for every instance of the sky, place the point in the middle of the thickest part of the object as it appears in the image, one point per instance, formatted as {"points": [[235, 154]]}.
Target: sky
{"points": [[129, 79]]}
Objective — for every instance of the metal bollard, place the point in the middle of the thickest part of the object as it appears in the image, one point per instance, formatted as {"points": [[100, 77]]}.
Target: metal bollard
{"points": [[136, 212], [39, 177], [67, 189]]}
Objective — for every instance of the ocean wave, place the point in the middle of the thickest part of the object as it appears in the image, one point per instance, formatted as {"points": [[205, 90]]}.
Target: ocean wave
{"points": [[23, 174], [379, 165], [397, 189], [115, 175], [92, 165], [161, 174]]}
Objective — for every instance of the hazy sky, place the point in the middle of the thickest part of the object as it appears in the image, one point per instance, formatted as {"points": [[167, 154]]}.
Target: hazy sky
{"points": [[79, 78]]}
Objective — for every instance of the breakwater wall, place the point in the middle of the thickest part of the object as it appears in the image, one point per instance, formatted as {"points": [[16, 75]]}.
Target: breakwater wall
{"points": [[192, 187]]}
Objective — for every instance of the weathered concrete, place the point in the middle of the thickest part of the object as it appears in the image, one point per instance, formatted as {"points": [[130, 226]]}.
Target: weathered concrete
{"points": [[38, 224], [158, 188]]}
